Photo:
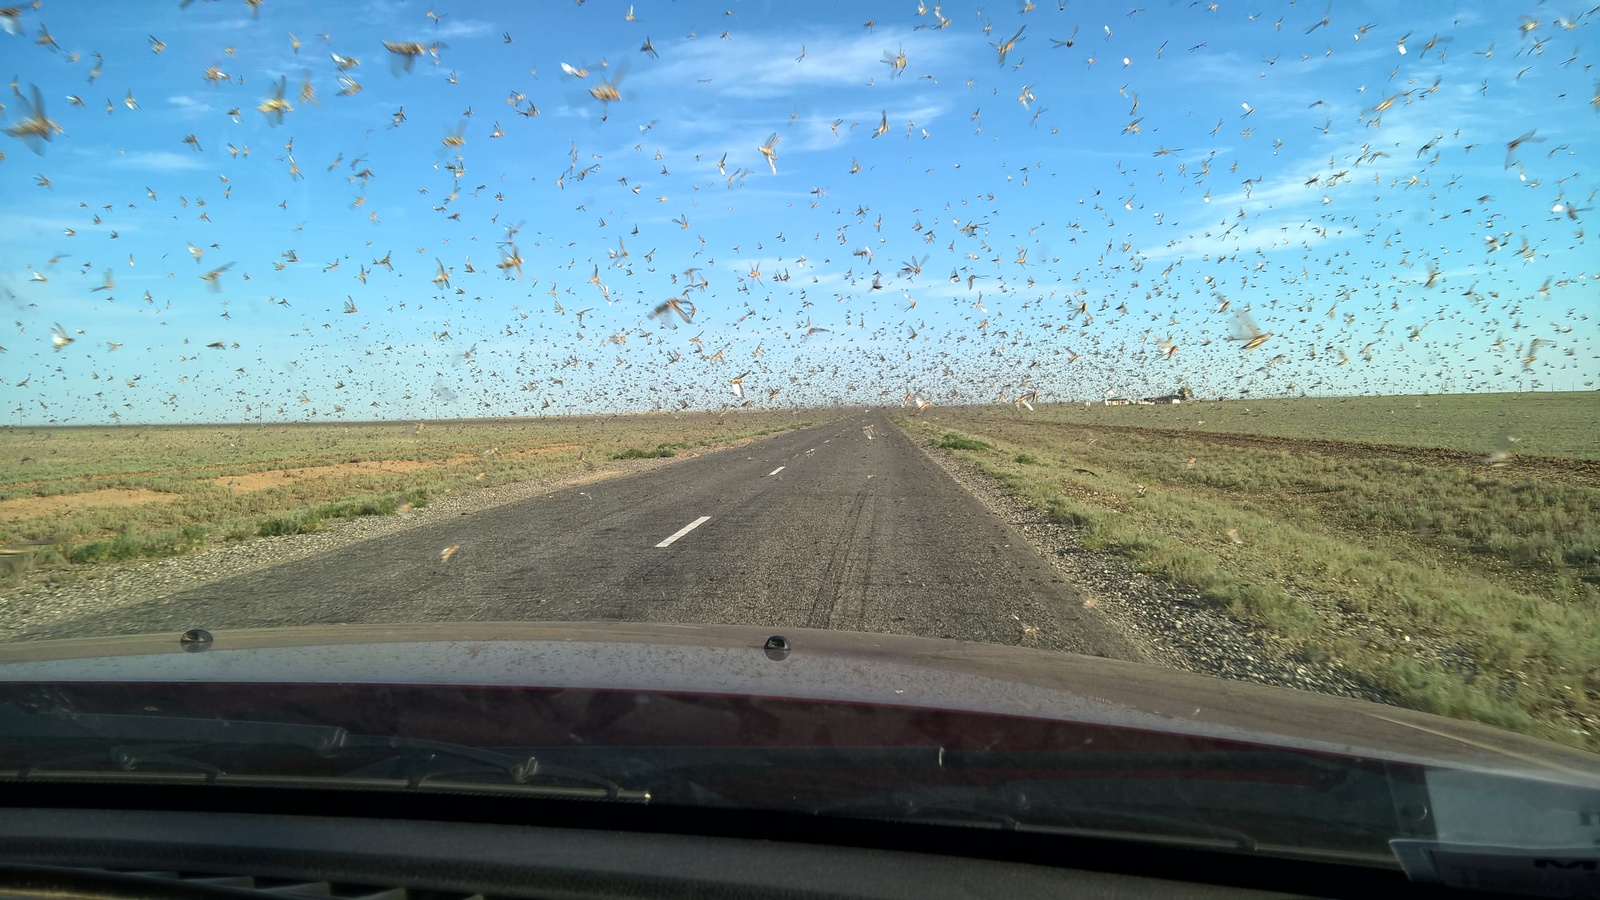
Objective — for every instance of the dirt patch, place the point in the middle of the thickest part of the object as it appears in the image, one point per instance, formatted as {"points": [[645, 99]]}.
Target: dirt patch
{"points": [[248, 482], [67, 504]]}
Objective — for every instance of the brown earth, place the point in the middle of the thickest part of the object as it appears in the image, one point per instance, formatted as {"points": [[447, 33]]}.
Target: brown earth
{"points": [[248, 482], [66, 504]]}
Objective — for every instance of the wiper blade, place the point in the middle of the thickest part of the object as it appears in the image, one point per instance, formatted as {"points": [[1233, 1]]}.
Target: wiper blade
{"points": [[165, 748], [1248, 799], [19, 726], [424, 763], [977, 810], [1273, 765]]}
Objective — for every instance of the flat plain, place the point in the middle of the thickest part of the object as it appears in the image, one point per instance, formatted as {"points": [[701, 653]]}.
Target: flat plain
{"points": [[1446, 549]]}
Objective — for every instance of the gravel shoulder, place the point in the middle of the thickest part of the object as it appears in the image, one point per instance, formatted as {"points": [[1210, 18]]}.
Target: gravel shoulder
{"points": [[1173, 627]]}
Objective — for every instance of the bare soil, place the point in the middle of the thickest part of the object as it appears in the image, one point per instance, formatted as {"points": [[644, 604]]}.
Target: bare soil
{"points": [[67, 504]]}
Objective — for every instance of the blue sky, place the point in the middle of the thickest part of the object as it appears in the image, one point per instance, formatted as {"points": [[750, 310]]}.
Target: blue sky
{"points": [[1089, 217]]}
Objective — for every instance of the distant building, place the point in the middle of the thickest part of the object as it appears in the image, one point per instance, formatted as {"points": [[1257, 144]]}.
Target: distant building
{"points": [[1182, 395]]}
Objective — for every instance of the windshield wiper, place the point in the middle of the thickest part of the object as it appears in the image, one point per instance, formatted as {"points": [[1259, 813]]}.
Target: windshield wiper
{"points": [[24, 727], [1108, 823], [230, 751], [1236, 799]]}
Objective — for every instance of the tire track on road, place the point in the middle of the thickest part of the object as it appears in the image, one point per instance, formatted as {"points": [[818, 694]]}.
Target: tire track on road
{"points": [[841, 594]]}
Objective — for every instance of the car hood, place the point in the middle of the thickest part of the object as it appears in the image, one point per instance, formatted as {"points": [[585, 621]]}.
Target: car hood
{"points": [[874, 670]]}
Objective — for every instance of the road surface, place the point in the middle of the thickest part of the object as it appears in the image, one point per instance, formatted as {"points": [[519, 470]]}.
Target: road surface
{"points": [[823, 527]]}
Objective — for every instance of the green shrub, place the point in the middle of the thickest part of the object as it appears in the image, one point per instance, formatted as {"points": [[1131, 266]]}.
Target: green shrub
{"points": [[662, 451], [311, 520], [278, 526], [953, 441], [132, 545], [1069, 512]]}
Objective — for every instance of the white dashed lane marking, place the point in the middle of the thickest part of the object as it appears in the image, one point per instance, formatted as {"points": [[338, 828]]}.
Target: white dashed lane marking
{"points": [[684, 530]]}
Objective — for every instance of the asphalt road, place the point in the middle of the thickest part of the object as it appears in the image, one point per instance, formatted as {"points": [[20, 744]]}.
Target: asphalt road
{"points": [[823, 527]]}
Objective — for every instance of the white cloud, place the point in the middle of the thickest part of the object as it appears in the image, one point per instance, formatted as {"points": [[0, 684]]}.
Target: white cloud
{"points": [[189, 103], [158, 161], [463, 28], [762, 66]]}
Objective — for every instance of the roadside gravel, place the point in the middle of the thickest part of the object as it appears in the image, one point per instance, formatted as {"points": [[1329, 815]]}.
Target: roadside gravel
{"points": [[1172, 626]]}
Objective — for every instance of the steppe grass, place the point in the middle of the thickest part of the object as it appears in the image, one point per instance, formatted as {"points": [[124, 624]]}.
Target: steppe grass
{"points": [[1455, 587], [1565, 424]]}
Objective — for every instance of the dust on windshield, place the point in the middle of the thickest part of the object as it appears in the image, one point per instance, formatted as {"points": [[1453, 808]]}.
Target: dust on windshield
{"points": [[1258, 341]]}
